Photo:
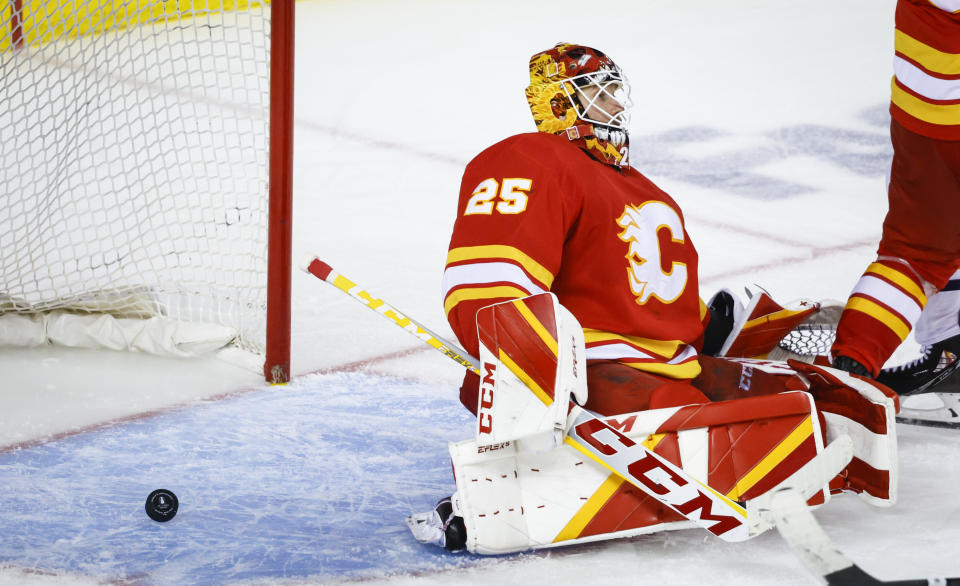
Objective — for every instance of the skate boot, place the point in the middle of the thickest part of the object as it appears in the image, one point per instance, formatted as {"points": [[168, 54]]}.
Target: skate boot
{"points": [[441, 527], [929, 385], [936, 365]]}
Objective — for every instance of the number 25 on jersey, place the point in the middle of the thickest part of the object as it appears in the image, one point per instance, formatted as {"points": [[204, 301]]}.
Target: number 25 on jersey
{"points": [[508, 197]]}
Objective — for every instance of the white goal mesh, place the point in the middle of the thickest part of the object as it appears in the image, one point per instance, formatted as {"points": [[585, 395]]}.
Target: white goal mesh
{"points": [[134, 157]]}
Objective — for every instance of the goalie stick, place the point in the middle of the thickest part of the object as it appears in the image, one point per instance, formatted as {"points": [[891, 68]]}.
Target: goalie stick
{"points": [[783, 506], [325, 272], [800, 530]]}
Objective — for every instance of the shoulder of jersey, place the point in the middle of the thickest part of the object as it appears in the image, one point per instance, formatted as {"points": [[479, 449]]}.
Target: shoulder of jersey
{"points": [[530, 144]]}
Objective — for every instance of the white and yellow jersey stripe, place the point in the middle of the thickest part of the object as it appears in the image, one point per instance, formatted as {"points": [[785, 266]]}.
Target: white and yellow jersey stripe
{"points": [[670, 358], [491, 272], [487, 274], [925, 90]]}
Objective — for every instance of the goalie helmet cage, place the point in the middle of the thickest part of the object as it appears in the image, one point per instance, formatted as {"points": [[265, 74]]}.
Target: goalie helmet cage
{"points": [[147, 164]]}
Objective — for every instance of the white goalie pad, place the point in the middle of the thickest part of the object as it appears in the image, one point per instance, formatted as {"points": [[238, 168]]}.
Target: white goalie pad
{"points": [[859, 408], [513, 499], [532, 362]]}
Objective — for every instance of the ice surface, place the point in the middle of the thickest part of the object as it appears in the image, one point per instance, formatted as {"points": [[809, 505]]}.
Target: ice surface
{"points": [[765, 120], [310, 484]]}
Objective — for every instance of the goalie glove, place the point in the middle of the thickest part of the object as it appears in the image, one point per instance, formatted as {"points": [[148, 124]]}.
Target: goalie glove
{"points": [[754, 329]]}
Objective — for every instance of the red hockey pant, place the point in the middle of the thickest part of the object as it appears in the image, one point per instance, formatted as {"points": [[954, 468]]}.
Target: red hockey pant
{"points": [[616, 388], [922, 228]]}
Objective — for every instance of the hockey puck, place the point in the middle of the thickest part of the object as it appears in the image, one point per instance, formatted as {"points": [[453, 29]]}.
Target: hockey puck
{"points": [[162, 505]]}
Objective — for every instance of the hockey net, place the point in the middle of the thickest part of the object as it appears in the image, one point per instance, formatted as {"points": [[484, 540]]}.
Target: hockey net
{"points": [[812, 339], [136, 145]]}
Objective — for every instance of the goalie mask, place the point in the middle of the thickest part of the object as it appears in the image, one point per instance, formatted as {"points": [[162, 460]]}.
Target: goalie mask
{"points": [[580, 92]]}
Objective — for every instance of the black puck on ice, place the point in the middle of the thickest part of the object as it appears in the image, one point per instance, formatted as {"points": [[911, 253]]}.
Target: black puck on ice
{"points": [[162, 505]]}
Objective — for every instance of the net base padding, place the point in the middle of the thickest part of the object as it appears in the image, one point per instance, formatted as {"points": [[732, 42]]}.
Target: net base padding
{"points": [[156, 335]]}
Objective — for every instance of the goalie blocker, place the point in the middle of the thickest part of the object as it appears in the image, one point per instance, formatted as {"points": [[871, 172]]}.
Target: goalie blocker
{"points": [[522, 484]]}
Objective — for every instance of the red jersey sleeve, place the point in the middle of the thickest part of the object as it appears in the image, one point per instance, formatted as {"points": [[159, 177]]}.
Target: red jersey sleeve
{"points": [[507, 241]]}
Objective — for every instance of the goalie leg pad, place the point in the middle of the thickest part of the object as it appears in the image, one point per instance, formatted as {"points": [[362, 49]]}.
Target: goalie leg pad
{"points": [[865, 411], [724, 379], [741, 448], [514, 499]]}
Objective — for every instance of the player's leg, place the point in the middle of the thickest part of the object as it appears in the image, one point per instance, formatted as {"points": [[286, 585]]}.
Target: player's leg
{"points": [[919, 251]]}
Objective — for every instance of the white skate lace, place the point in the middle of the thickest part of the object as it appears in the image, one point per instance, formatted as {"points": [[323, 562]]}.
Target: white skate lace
{"points": [[946, 358], [913, 363]]}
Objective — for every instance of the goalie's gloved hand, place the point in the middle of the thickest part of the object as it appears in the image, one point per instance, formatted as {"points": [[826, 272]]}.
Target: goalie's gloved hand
{"points": [[721, 322], [850, 365]]}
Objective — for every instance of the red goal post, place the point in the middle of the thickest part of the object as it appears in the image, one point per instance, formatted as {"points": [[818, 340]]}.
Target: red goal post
{"points": [[146, 162]]}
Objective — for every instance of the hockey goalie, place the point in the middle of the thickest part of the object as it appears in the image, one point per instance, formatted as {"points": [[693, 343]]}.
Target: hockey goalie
{"points": [[573, 279]]}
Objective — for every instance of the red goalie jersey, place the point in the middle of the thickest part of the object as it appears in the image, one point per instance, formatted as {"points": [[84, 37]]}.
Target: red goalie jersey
{"points": [[537, 213]]}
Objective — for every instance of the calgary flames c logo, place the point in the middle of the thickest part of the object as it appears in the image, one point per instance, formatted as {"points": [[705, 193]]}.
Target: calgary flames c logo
{"points": [[645, 272]]}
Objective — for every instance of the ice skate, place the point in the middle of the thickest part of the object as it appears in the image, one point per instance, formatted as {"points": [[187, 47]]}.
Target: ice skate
{"points": [[439, 527], [929, 386]]}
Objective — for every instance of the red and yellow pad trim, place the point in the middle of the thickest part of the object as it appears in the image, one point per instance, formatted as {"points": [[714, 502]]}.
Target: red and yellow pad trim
{"points": [[599, 499], [781, 452], [522, 334]]}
